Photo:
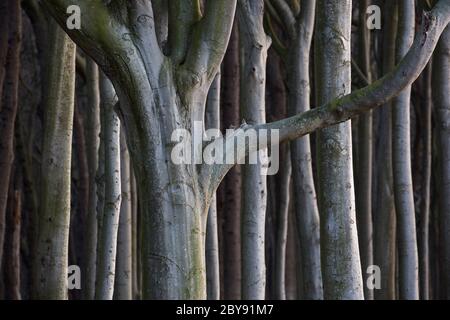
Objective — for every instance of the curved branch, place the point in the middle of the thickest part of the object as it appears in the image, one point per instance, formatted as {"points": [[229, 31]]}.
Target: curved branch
{"points": [[351, 105]]}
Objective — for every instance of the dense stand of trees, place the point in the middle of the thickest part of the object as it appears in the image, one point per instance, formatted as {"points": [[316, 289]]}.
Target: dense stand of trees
{"points": [[94, 206]]}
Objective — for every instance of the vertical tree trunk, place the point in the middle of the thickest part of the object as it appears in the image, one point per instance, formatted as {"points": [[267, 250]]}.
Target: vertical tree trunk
{"points": [[8, 111], [254, 45], [50, 269], [383, 206], [212, 241], [123, 281], [307, 212], [363, 179], [342, 278], [92, 144], [232, 181], [107, 241], [441, 99], [403, 189]]}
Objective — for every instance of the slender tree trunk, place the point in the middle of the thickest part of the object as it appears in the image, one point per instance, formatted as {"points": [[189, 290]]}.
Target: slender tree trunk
{"points": [[254, 45], [107, 241], [441, 100], [341, 266], [8, 111], [403, 188], [232, 182], [134, 235], [212, 240], [291, 278], [363, 179], [383, 206], [92, 145], [123, 281], [307, 213], [50, 268], [424, 217]]}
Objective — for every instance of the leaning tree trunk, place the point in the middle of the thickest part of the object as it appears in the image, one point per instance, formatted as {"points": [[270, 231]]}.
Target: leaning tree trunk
{"points": [[403, 188], [254, 45], [363, 179], [50, 265], [383, 205], [8, 110], [306, 209], [107, 240], [342, 278], [441, 100]]}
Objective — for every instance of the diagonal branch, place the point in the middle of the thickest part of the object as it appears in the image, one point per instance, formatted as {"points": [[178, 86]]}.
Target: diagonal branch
{"points": [[351, 105]]}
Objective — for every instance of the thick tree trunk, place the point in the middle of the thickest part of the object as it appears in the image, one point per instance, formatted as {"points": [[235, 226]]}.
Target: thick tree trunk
{"points": [[107, 240], [123, 281], [403, 188], [93, 142], [441, 99], [363, 179], [50, 269], [307, 213], [212, 121], [341, 266], [8, 111], [383, 206], [254, 45]]}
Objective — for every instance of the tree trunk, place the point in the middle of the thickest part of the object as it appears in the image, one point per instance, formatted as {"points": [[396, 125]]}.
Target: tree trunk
{"points": [[307, 213], [254, 46], [383, 206], [403, 188], [341, 266], [441, 99], [107, 241], [212, 241], [93, 142], [50, 277], [8, 111], [123, 281], [363, 179]]}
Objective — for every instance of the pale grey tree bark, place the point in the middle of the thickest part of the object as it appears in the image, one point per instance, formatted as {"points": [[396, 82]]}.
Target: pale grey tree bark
{"points": [[403, 188], [107, 237], [51, 260], [92, 145], [254, 44], [123, 280], [383, 207], [305, 200], [212, 238], [341, 266], [363, 178], [441, 100]]}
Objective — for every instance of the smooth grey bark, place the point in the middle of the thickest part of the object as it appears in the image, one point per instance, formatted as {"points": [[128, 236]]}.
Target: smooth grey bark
{"points": [[383, 207], [51, 260], [305, 200], [254, 44], [282, 227], [123, 280], [341, 266], [363, 178], [441, 100], [212, 121], [107, 237], [92, 144], [403, 188]]}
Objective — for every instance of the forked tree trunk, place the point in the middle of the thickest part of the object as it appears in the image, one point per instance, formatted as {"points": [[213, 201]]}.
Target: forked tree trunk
{"points": [[341, 266], [50, 277], [403, 188], [254, 45]]}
